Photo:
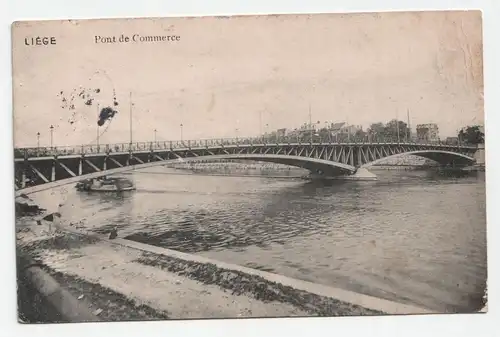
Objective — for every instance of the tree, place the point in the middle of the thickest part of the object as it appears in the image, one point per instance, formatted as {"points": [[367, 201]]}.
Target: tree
{"points": [[376, 132], [324, 134], [394, 128], [471, 135], [377, 128], [360, 135], [389, 131]]}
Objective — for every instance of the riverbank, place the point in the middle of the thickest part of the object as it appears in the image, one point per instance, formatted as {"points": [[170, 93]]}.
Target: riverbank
{"points": [[122, 281], [118, 287]]}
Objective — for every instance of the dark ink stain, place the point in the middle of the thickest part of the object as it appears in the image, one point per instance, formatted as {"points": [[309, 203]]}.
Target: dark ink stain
{"points": [[106, 114]]}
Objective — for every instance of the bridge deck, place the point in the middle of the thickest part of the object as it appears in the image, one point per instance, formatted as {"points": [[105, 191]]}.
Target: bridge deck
{"points": [[37, 166], [105, 149]]}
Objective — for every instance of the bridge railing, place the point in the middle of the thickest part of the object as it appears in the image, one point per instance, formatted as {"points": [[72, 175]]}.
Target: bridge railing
{"points": [[205, 143]]}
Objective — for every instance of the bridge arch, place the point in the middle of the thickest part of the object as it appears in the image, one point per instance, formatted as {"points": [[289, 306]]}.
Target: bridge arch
{"points": [[327, 167], [440, 156]]}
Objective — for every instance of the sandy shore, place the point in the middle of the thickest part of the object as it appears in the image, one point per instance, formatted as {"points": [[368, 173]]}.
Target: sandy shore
{"points": [[115, 283]]}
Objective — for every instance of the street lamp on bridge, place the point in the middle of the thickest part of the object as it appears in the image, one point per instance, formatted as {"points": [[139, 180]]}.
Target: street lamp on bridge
{"points": [[181, 132], [328, 130], [38, 140], [97, 131], [237, 134], [154, 131], [52, 136]]}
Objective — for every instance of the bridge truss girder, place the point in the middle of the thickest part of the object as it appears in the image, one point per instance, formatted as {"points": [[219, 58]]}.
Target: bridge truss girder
{"points": [[40, 170]]}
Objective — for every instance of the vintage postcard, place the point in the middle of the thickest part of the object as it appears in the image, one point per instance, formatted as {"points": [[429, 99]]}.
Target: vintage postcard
{"points": [[249, 166]]}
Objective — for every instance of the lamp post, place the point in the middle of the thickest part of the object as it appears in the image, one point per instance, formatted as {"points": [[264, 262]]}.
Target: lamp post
{"points": [[397, 128], [310, 123], [328, 131], [237, 134], [38, 140], [260, 123], [97, 139], [52, 136], [131, 105], [154, 131], [181, 132]]}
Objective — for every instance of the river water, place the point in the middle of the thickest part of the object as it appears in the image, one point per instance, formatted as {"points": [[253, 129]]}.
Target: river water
{"points": [[412, 236]]}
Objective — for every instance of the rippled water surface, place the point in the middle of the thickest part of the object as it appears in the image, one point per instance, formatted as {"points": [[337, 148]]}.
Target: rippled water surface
{"points": [[411, 237]]}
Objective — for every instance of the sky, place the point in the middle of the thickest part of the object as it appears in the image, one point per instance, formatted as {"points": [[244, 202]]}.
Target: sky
{"points": [[232, 76]]}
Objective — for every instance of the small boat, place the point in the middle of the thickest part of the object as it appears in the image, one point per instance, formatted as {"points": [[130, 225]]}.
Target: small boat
{"points": [[105, 184]]}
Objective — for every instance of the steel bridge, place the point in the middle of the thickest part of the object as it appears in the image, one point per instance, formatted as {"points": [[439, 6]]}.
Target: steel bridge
{"points": [[38, 169]]}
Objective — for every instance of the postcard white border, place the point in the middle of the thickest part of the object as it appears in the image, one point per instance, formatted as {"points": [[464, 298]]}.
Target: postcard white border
{"points": [[438, 325]]}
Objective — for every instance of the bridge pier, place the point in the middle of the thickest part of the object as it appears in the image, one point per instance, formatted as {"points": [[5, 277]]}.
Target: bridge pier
{"points": [[23, 178], [80, 166], [362, 174], [479, 155], [53, 170]]}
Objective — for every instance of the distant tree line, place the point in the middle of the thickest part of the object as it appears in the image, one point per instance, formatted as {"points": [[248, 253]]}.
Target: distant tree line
{"points": [[392, 131], [377, 132], [471, 135]]}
